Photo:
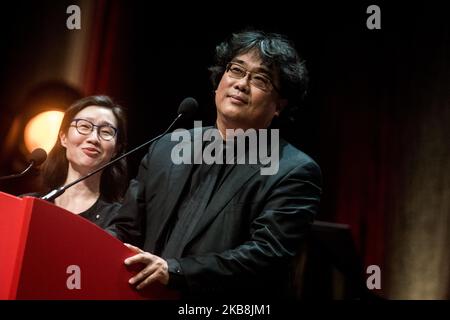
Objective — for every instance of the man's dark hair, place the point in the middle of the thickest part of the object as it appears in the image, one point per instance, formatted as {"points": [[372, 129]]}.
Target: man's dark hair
{"points": [[276, 52]]}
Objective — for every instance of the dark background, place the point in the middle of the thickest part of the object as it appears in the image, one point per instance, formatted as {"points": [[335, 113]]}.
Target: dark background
{"points": [[375, 118]]}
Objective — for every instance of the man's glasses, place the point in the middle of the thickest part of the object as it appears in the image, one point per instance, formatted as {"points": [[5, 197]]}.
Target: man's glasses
{"points": [[259, 80], [85, 127]]}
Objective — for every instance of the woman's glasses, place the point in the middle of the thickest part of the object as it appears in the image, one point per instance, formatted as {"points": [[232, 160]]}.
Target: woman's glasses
{"points": [[85, 127]]}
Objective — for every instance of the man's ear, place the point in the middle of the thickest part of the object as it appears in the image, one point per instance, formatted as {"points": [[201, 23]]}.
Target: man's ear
{"points": [[282, 103], [63, 139]]}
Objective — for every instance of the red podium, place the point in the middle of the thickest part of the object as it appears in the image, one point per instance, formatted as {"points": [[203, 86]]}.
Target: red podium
{"points": [[50, 253]]}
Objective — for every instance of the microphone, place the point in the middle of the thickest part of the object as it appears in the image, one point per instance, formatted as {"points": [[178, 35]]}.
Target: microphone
{"points": [[187, 108], [35, 159]]}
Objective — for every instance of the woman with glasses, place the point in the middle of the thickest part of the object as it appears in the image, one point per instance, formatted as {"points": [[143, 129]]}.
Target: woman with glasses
{"points": [[92, 132]]}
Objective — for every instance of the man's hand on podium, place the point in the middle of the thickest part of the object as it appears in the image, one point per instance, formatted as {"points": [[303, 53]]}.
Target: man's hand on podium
{"points": [[155, 268]]}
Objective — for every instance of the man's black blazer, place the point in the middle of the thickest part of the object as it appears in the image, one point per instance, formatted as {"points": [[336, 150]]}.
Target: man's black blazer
{"points": [[252, 227]]}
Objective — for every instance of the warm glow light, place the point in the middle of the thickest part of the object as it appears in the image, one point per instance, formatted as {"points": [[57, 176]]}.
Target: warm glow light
{"points": [[42, 130]]}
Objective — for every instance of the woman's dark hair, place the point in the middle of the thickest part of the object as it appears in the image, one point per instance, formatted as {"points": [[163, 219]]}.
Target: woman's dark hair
{"points": [[114, 179], [276, 52]]}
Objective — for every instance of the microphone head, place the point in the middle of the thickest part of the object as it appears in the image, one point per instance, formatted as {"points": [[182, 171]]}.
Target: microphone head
{"points": [[38, 156], [188, 107]]}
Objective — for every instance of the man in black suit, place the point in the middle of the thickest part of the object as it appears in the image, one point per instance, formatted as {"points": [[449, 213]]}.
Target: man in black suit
{"points": [[226, 229]]}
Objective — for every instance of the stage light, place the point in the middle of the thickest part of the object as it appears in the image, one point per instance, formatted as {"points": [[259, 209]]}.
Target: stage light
{"points": [[42, 130]]}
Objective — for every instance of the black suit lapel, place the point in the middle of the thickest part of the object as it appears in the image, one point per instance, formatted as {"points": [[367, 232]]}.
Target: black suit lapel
{"points": [[179, 175], [232, 185]]}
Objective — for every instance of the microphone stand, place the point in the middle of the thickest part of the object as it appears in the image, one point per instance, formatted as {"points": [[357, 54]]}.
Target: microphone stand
{"points": [[59, 191], [18, 174]]}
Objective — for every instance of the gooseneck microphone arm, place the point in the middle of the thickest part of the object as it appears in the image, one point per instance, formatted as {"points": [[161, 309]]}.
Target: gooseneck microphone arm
{"points": [[59, 191], [18, 174], [36, 157]]}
